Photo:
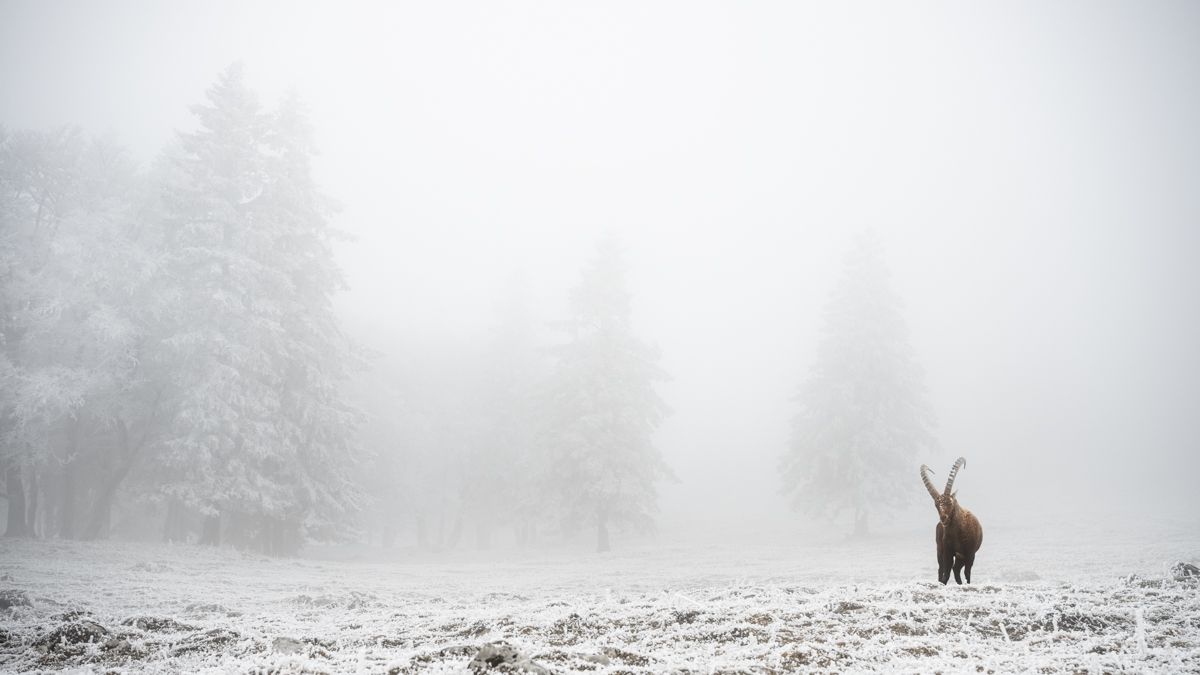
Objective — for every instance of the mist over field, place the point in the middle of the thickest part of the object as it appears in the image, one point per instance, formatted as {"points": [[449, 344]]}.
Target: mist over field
{"points": [[368, 337]]}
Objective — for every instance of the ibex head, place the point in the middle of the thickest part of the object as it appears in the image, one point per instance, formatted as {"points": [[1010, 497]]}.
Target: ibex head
{"points": [[946, 502]]}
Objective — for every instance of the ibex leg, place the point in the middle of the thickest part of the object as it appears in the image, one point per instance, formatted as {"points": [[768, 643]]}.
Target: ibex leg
{"points": [[943, 556]]}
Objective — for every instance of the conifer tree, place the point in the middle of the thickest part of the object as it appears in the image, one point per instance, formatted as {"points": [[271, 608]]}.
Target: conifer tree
{"points": [[863, 415], [601, 462], [260, 432]]}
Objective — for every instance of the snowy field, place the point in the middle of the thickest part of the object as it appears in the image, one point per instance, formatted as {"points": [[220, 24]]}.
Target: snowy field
{"points": [[1100, 599]]}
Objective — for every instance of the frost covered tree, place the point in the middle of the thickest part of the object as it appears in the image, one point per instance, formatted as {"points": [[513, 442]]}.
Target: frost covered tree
{"points": [[601, 464], [74, 270], [38, 172], [863, 414], [102, 273], [260, 430], [320, 421], [176, 335]]}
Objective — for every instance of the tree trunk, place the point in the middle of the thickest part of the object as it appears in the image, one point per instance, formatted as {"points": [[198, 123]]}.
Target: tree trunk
{"points": [[279, 546], [455, 533], [276, 536], [174, 527], [290, 537], [16, 503], [98, 525], [602, 545], [483, 536], [269, 536], [69, 484], [210, 534], [422, 533], [860, 522], [237, 532], [526, 533], [31, 510], [66, 504]]}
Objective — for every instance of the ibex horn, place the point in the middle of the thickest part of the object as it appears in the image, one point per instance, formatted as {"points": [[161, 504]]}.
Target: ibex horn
{"points": [[958, 464], [925, 471]]}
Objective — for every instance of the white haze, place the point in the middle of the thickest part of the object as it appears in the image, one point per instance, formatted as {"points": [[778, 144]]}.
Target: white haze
{"points": [[1030, 168]]}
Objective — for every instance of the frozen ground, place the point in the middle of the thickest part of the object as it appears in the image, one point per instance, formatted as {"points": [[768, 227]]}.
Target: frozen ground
{"points": [[1096, 599]]}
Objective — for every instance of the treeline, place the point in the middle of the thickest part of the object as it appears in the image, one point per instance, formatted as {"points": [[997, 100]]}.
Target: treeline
{"points": [[170, 359], [520, 437], [167, 336]]}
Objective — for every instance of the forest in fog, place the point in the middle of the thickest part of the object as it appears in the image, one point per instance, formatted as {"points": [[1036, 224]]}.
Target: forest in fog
{"points": [[634, 336], [171, 356], [554, 277], [170, 350], [172, 362]]}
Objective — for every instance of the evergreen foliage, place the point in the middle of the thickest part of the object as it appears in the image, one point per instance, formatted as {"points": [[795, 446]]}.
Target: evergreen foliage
{"points": [[177, 328], [259, 427], [602, 409], [863, 415]]}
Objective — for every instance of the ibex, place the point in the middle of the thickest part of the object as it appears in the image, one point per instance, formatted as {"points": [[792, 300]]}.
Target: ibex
{"points": [[958, 533]]}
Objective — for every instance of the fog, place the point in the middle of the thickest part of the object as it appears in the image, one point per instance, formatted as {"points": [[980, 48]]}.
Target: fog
{"points": [[1029, 171]]}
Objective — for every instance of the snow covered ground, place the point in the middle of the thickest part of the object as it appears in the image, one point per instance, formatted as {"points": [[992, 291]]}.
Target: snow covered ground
{"points": [[1061, 599]]}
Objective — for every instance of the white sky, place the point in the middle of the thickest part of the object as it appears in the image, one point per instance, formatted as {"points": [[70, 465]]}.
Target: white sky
{"points": [[1032, 169]]}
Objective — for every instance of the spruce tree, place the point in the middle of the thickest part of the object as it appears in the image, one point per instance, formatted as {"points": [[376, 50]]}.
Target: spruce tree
{"points": [[320, 425], [863, 415], [602, 409], [261, 431]]}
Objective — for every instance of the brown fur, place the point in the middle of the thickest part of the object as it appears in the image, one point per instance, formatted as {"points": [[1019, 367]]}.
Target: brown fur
{"points": [[958, 535]]}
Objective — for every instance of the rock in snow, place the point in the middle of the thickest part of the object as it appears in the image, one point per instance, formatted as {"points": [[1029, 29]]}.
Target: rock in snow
{"points": [[1182, 570], [503, 657], [156, 624], [286, 645], [71, 634], [13, 598]]}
